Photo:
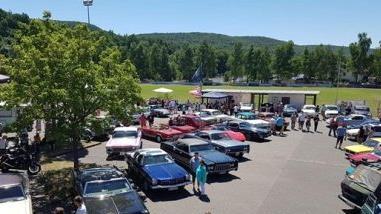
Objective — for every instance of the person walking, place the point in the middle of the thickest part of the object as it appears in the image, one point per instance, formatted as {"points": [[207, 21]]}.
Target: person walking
{"points": [[201, 175], [293, 120], [332, 127], [235, 110], [316, 122], [301, 120], [195, 163], [308, 123], [151, 120], [361, 135], [81, 208], [142, 120], [341, 134], [280, 125]]}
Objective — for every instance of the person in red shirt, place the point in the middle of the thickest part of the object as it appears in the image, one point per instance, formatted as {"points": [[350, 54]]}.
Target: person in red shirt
{"points": [[143, 120]]}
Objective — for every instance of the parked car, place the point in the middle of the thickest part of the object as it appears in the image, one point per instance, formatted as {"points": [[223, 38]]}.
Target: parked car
{"points": [[288, 110], [361, 109], [267, 116], [329, 111], [246, 107], [368, 146], [216, 114], [246, 116], [124, 139], [155, 169], [135, 116], [14, 194], [207, 118], [158, 111], [160, 133], [232, 134], [258, 131], [183, 150], [190, 120], [223, 143], [356, 187], [357, 159], [371, 204], [309, 110], [350, 120], [353, 131], [107, 190]]}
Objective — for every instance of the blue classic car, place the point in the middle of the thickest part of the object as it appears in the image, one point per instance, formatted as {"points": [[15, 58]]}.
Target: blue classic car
{"points": [[183, 150], [155, 169], [246, 116], [223, 143]]}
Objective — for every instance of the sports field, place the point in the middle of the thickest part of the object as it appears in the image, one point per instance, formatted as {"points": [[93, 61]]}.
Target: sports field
{"points": [[326, 96]]}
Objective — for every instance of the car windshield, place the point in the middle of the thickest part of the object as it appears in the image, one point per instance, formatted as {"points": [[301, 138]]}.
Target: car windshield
{"points": [[119, 134], [333, 108], [368, 177], [248, 116], [110, 187], [201, 147], [220, 136], [156, 159], [9, 193], [362, 108], [309, 107], [371, 143]]}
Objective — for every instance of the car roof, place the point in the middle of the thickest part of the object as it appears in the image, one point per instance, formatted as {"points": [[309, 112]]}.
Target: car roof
{"points": [[330, 105], [151, 151], [126, 128], [209, 110], [212, 131], [98, 174], [309, 106], [11, 179], [192, 141]]}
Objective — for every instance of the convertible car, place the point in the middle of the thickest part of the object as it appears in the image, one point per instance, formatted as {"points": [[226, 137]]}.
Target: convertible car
{"points": [[160, 133], [183, 150], [107, 190], [124, 139], [368, 146], [155, 169], [372, 157], [223, 143]]}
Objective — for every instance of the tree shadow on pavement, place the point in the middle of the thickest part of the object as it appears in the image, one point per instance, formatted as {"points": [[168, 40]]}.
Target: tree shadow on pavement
{"points": [[216, 178], [115, 157], [164, 195]]}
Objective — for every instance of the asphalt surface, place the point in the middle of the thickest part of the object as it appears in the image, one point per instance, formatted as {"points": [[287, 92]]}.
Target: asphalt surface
{"points": [[298, 173]]}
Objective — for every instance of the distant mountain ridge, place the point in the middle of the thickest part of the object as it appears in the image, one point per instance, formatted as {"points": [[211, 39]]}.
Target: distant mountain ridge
{"points": [[227, 42]]}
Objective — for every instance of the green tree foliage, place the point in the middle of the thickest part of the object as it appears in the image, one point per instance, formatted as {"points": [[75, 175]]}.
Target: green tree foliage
{"points": [[237, 61], [257, 65], [66, 74], [207, 57], [360, 58], [186, 63], [282, 63], [376, 65], [140, 59], [222, 62]]}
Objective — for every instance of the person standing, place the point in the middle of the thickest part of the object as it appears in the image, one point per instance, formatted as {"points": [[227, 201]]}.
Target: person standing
{"points": [[293, 120], [332, 126], [341, 133], [3, 144], [361, 135], [316, 122], [301, 120], [36, 145], [235, 110], [379, 116], [201, 175], [142, 120], [280, 124], [195, 163], [81, 208], [151, 120], [308, 123]]}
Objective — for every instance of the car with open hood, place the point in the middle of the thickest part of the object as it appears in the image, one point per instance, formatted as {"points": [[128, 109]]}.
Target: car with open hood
{"points": [[124, 139], [14, 194], [107, 190], [368, 146], [223, 143], [182, 150], [154, 169]]}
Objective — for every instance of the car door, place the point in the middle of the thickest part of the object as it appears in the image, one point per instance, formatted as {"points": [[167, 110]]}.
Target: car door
{"points": [[182, 154]]}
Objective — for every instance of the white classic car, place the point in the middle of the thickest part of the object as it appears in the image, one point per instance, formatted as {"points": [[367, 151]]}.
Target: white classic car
{"points": [[216, 114], [14, 194], [124, 139], [330, 111], [246, 107], [309, 110]]}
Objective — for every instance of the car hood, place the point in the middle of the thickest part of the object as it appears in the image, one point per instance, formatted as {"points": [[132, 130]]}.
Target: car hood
{"points": [[169, 131], [16, 207], [308, 110], [165, 171], [123, 141], [185, 128], [331, 112], [129, 202], [367, 156], [258, 121], [229, 143], [215, 156], [359, 148], [353, 131]]}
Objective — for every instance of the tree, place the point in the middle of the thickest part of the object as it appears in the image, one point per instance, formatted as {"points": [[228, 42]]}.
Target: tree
{"points": [[140, 59], [376, 64], [207, 57], [186, 63], [282, 63], [250, 61], [222, 62], [237, 61], [257, 64], [66, 74], [360, 59]]}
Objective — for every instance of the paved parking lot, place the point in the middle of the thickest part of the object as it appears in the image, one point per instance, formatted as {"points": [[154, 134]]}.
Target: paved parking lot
{"points": [[299, 173]]}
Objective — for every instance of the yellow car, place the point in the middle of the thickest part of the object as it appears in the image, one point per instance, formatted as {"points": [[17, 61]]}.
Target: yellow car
{"points": [[366, 147]]}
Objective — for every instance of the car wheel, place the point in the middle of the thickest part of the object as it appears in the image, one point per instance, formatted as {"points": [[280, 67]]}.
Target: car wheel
{"points": [[158, 139]]}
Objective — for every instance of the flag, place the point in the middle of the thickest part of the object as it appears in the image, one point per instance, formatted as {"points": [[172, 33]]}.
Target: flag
{"points": [[197, 76]]}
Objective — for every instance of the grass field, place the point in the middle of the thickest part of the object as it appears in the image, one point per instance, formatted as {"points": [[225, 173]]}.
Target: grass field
{"points": [[326, 96]]}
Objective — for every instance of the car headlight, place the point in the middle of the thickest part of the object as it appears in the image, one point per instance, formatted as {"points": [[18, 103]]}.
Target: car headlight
{"points": [[154, 181]]}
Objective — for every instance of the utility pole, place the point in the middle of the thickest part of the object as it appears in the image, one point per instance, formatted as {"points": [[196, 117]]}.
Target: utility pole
{"points": [[338, 80], [88, 3]]}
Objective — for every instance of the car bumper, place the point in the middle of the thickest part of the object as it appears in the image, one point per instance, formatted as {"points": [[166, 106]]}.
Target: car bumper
{"points": [[121, 150], [169, 187], [223, 171], [348, 202]]}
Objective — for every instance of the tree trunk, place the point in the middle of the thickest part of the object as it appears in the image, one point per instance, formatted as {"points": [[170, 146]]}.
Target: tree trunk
{"points": [[75, 142]]}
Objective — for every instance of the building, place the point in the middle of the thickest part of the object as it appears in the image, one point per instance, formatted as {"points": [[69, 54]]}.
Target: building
{"points": [[259, 97]]}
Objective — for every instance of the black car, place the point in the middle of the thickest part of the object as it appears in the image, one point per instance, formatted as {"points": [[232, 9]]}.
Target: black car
{"points": [[251, 131], [107, 190], [356, 187], [183, 150]]}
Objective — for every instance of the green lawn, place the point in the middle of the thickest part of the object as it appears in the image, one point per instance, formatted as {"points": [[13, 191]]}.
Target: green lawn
{"points": [[327, 95]]}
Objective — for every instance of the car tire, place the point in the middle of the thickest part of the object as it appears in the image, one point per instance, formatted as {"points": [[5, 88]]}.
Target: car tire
{"points": [[158, 139]]}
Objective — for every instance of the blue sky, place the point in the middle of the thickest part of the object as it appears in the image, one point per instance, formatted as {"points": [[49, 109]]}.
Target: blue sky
{"points": [[303, 21]]}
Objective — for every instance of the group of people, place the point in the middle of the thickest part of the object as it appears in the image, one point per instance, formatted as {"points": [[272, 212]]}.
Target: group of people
{"points": [[199, 173], [305, 120]]}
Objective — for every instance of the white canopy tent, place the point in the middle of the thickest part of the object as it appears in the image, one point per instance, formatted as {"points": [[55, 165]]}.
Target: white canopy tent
{"points": [[163, 90]]}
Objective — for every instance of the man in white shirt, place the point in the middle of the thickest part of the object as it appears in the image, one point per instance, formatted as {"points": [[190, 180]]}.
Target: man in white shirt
{"points": [[3, 144], [81, 208]]}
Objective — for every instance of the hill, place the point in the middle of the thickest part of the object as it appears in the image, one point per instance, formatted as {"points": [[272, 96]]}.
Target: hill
{"points": [[221, 41]]}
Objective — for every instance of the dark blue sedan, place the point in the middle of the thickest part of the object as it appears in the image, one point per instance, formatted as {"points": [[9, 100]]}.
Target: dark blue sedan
{"points": [[155, 169]]}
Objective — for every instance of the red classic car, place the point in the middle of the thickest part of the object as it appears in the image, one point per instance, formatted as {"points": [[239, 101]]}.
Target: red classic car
{"points": [[232, 134], [357, 159], [188, 119], [160, 133]]}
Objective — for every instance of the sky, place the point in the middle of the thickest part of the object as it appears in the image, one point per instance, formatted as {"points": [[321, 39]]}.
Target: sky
{"points": [[335, 22]]}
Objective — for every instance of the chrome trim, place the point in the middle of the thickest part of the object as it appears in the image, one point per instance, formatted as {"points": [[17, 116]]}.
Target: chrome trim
{"points": [[170, 186]]}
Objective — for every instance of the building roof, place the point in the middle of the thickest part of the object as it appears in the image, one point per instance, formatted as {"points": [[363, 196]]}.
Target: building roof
{"points": [[221, 90], [215, 95]]}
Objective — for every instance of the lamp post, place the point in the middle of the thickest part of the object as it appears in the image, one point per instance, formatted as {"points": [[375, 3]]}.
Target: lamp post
{"points": [[88, 3]]}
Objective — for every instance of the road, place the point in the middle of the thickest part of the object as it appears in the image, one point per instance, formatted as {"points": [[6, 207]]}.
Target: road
{"points": [[299, 173]]}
